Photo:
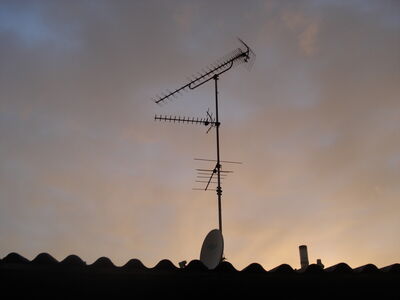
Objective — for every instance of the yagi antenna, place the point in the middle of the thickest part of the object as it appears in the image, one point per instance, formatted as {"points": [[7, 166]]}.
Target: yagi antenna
{"points": [[207, 121], [234, 58], [241, 55]]}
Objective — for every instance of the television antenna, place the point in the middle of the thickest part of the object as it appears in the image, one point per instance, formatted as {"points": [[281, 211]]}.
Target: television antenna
{"points": [[239, 56]]}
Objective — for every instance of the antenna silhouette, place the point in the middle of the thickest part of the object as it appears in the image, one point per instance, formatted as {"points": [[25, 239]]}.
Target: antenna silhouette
{"points": [[234, 58]]}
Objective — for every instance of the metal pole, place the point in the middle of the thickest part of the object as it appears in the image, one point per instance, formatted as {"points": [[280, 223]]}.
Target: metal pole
{"points": [[219, 189]]}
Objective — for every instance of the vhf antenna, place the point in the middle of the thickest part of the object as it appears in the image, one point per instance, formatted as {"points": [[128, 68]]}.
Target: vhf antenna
{"points": [[223, 65]]}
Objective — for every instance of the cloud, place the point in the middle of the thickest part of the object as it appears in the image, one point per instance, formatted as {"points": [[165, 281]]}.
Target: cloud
{"points": [[306, 30], [86, 170]]}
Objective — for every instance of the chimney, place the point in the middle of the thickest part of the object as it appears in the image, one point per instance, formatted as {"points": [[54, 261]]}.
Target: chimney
{"points": [[303, 256], [319, 263]]}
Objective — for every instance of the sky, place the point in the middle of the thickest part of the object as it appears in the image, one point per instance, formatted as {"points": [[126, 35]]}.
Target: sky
{"points": [[85, 169]]}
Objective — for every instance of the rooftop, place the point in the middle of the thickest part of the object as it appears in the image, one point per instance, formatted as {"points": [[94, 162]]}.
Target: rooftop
{"points": [[73, 277]]}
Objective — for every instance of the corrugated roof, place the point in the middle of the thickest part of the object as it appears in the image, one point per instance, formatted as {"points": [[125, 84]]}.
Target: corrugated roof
{"points": [[71, 278], [194, 265]]}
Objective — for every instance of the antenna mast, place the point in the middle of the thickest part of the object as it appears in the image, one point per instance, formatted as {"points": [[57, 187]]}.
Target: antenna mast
{"points": [[213, 72]]}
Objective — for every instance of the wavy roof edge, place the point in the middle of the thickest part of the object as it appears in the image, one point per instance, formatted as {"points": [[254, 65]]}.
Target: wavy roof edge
{"points": [[194, 265]]}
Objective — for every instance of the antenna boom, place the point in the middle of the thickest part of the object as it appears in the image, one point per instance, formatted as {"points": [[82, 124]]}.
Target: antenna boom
{"points": [[185, 120]]}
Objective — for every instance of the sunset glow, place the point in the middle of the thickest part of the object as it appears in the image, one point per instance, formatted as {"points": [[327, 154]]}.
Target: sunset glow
{"points": [[85, 170]]}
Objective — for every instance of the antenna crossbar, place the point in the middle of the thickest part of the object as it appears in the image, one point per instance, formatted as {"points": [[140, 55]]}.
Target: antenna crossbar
{"points": [[204, 181], [206, 177], [200, 189], [212, 171], [205, 173], [222, 161]]}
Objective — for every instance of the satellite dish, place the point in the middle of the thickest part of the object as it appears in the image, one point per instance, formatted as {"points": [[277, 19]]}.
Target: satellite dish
{"points": [[212, 249]]}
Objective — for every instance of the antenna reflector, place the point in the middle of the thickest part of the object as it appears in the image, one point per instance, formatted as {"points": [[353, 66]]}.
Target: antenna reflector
{"points": [[199, 189], [203, 181], [212, 171], [223, 161]]}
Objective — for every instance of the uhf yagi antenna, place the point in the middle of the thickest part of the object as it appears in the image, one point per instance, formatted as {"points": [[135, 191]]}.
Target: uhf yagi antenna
{"points": [[242, 55], [224, 64]]}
